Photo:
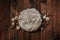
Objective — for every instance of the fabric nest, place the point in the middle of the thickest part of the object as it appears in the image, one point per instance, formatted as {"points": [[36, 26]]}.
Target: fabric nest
{"points": [[30, 19]]}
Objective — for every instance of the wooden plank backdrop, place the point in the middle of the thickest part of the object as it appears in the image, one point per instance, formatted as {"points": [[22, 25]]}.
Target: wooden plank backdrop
{"points": [[4, 19], [8, 9]]}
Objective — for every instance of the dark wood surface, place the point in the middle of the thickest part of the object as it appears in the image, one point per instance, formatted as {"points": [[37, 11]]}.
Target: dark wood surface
{"points": [[50, 32]]}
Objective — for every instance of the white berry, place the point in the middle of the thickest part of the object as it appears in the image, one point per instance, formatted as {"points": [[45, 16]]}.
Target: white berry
{"points": [[44, 17], [17, 27], [47, 18], [12, 19], [16, 17], [13, 23]]}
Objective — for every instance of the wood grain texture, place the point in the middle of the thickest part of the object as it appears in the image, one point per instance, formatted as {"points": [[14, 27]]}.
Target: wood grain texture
{"points": [[4, 19], [50, 32]]}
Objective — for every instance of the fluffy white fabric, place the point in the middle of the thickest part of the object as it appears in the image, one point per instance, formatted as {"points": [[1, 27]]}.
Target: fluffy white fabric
{"points": [[30, 19]]}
